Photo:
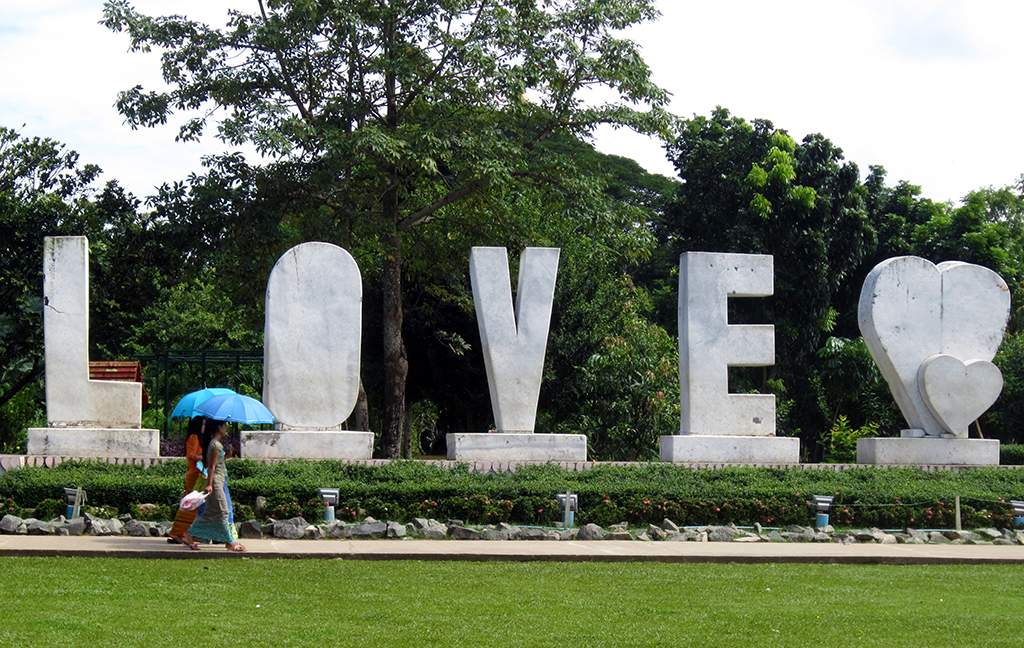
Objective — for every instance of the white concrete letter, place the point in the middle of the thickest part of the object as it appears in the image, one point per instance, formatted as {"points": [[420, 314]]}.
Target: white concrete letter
{"points": [[709, 345], [71, 398], [312, 337], [514, 342]]}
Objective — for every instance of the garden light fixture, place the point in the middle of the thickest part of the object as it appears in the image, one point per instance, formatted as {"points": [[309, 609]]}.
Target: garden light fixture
{"points": [[74, 498], [569, 504], [330, 498], [821, 506]]}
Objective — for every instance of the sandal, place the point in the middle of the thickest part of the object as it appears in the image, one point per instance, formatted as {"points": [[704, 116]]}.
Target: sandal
{"points": [[191, 544], [235, 546], [176, 540]]}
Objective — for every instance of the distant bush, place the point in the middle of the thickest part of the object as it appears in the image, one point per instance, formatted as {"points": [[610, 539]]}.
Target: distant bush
{"points": [[638, 493], [49, 508], [1011, 455]]}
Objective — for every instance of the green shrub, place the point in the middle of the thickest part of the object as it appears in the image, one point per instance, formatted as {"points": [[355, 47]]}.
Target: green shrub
{"points": [[9, 507], [50, 508], [636, 493], [1011, 454], [151, 512]]}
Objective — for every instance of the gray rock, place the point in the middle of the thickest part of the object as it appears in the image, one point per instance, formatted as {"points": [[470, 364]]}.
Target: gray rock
{"points": [[539, 534], [821, 536], [669, 525], [953, 534], [721, 534], [61, 531], [312, 532], [75, 526], [336, 529], [641, 535], [436, 531], [453, 522], [136, 529], [494, 534], [656, 533], [9, 524], [368, 530], [1003, 541], [163, 528], [291, 529], [395, 530], [914, 533], [38, 527], [619, 528], [935, 537], [888, 539], [775, 536], [250, 530], [568, 534], [261, 506], [590, 531], [420, 523], [514, 532], [758, 529], [115, 526], [618, 535], [747, 538], [991, 533]]}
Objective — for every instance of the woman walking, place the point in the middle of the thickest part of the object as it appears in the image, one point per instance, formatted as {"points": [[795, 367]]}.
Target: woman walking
{"points": [[216, 523], [195, 443]]}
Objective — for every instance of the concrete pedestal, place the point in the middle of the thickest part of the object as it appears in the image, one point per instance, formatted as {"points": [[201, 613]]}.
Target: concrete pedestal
{"points": [[699, 448], [928, 451], [307, 444], [516, 447], [94, 442]]}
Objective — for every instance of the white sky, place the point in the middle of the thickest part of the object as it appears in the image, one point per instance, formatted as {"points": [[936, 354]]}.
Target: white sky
{"points": [[927, 88]]}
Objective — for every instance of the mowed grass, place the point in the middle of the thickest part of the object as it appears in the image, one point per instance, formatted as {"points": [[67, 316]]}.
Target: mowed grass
{"points": [[126, 602]]}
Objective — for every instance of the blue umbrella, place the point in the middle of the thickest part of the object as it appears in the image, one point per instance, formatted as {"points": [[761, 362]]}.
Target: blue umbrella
{"points": [[235, 408], [186, 406]]}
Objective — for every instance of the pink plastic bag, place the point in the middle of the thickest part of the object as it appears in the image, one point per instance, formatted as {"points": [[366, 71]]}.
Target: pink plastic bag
{"points": [[192, 501]]}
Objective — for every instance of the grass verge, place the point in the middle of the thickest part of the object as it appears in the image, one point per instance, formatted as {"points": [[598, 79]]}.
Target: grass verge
{"points": [[126, 602]]}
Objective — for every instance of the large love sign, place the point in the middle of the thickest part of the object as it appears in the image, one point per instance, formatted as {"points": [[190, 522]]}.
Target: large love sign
{"points": [[933, 331]]}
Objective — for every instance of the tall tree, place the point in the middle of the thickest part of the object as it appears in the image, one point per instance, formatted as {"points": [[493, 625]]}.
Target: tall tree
{"points": [[749, 187], [403, 108]]}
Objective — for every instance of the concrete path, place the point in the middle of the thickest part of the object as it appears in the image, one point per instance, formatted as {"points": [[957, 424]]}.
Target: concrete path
{"points": [[521, 551]]}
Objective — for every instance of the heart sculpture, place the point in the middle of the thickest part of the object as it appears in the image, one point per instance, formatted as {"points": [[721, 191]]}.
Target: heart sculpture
{"points": [[957, 393], [910, 310]]}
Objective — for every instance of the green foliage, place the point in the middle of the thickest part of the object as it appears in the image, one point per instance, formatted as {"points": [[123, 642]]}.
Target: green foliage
{"points": [[50, 508], [1005, 420], [151, 512], [840, 442], [638, 494], [9, 507], [19, 413], [1011, 454]]}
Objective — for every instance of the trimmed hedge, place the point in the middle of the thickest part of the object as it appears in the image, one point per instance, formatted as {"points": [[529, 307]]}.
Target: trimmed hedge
{"points": [[1011, 455], [639, 494]]}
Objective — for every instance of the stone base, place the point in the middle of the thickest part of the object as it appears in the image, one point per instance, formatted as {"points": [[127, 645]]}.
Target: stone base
{"points": [[697, 448], [94, 442], [928, 451], [307, 444], [505, 446]]}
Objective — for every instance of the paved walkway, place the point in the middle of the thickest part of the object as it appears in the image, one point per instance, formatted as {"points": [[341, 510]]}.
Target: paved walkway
{"points": [[521, 551]]}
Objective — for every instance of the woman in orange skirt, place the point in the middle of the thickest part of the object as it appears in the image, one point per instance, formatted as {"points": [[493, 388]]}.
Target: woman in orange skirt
{"points": [[194, 453]]}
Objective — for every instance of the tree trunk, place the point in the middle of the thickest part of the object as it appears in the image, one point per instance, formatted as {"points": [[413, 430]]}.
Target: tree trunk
{"points": [[361, 414], [407, 437], [396, 365]]}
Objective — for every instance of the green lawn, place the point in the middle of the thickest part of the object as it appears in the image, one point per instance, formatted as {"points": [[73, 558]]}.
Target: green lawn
{"points": [[125, 602]]}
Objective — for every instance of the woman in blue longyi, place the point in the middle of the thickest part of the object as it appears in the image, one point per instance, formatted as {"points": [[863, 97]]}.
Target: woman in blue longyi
{"points": [[216, 524]]}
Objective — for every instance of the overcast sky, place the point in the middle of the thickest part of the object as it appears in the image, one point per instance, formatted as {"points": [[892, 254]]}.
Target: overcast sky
{"points": [[927, 88]]}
